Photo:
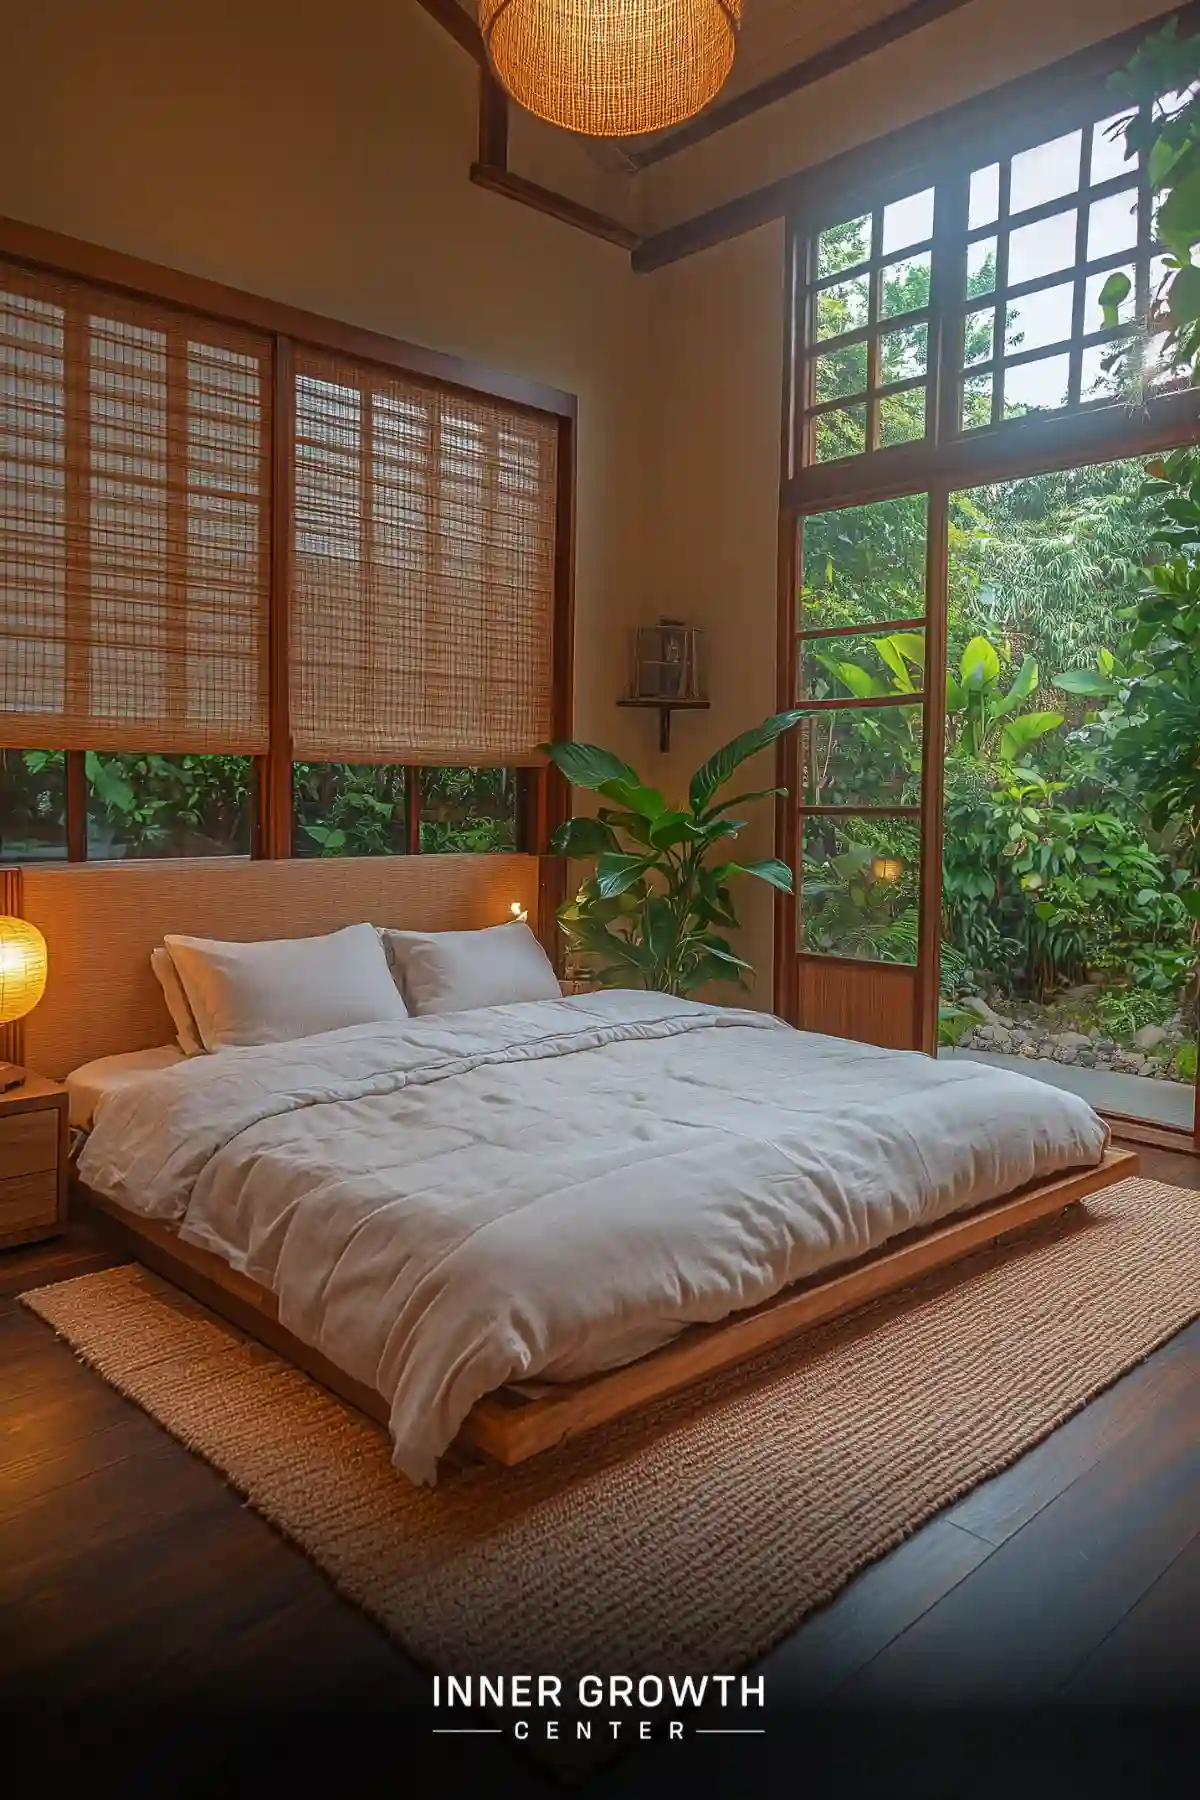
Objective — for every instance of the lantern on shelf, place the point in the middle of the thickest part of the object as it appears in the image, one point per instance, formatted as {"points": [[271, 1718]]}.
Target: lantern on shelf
{"points": [[666, 663]]}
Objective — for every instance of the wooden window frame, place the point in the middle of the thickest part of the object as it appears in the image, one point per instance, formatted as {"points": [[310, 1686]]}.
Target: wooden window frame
{"points": [[543, 796], [947, 460]]}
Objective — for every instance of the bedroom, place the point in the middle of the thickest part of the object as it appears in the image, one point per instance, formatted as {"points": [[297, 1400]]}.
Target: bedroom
{"points": [[350, 233]]}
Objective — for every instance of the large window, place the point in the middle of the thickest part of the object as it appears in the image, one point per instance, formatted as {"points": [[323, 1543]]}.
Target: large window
{"points": [[257, 597], [973, 862], [980, 300]]}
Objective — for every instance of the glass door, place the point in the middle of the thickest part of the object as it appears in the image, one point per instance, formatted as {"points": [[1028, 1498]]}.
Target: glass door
{"points": [[861, 647]]}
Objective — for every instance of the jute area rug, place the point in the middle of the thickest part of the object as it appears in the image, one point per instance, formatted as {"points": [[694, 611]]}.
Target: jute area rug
{"points": [[694, 1538]]}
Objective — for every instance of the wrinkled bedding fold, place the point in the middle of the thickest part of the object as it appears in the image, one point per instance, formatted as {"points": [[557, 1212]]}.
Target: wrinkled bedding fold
{"points": [[544, 1190]]}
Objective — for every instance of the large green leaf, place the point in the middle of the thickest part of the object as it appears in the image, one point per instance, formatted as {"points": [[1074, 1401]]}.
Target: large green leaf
{"points": [[598, 940], [588, 766], [719, 948], [980, 663], [1024, 730], [634, 796], [1179, 216], [1113, 295], [671, 828], [746, 799], [769, 869], [584, 836], [616, 873], [890, 652], [1183, 298], [853, 677], [660, 929], [1086, 682], [716, 771]]}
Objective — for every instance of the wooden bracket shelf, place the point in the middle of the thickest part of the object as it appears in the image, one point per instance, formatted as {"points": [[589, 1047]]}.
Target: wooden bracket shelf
{"points": [[664, 709]]}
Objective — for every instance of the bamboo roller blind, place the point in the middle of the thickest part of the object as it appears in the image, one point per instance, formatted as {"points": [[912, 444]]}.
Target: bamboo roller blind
{"points": [[134, 525], [423, 580]]}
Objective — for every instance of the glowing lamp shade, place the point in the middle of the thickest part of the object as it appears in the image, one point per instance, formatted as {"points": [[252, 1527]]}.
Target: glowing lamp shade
{"points": [[887, 868], [22, 968], [611, 68]]}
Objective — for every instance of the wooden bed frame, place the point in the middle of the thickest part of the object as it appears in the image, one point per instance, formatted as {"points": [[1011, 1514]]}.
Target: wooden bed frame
{"points": [[520, 1421]]}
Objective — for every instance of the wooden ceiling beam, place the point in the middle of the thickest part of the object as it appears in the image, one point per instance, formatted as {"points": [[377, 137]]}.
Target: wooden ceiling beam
{"points": [[829, 61], [461, 26], [916, 154]]}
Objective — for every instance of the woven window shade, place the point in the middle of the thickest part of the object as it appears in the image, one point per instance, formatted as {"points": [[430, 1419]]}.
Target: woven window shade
{"points": [[423, 586], [134, 530]]}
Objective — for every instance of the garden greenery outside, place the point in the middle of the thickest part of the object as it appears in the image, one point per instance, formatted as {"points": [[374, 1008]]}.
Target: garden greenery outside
{"points": [[146, 805], [1069, 879]]}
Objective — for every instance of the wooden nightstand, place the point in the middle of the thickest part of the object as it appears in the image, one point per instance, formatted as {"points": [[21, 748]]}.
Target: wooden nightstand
{"points": [[33, 1162]]}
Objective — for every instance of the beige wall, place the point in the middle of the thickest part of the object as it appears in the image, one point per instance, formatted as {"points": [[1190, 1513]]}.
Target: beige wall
{"points": [[318, 153], [717, 354]]}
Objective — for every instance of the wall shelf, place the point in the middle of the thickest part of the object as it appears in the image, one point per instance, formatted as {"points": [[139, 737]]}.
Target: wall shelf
{"points": [[664, 709]]}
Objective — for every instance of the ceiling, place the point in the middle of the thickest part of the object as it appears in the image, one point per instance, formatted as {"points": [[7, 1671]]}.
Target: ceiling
{"points": [[778, 33]]}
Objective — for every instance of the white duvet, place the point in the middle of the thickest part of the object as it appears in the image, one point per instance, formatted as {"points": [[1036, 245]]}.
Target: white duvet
{"points": [[445, 1204]]}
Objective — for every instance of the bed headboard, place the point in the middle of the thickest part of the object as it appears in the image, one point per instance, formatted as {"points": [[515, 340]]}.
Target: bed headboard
{"points": [[101, 921]]}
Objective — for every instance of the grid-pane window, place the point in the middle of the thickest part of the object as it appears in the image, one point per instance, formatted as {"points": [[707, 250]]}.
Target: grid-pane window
{"points": [[1047, 230], [1039, 297], [867, 364]]}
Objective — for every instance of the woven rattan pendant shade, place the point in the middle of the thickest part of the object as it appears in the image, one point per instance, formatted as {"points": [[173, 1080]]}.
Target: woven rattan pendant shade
{"points": [[611, 68]]}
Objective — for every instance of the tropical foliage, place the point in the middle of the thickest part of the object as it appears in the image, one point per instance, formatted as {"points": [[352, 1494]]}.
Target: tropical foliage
{"points": [[147, 805], [656, 911], [1161, 83], [1072, 770]]}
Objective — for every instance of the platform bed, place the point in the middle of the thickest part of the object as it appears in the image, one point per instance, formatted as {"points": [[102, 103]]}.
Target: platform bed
{"points": [[519, 1421]]}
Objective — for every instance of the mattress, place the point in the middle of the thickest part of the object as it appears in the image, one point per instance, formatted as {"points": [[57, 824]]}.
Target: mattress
{"points": [[90, 1085], [444, 1205]]}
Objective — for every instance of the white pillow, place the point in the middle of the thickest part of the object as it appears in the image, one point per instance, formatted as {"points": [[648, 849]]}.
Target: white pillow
{"points": [[289, 988], [186, 1035], [453, 971]]}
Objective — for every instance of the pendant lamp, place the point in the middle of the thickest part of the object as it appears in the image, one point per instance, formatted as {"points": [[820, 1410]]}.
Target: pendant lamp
{"points": [[611, 68]]}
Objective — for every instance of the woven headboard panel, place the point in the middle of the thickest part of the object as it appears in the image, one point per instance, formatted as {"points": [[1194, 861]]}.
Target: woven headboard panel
{"points": [[102, 920]]}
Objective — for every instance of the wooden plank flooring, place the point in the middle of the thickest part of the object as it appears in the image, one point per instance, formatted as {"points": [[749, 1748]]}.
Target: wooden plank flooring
{"points": [[1042, 1636]]}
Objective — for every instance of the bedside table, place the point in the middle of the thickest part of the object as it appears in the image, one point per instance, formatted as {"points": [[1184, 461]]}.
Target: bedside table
{"points": [[33, 1162]]}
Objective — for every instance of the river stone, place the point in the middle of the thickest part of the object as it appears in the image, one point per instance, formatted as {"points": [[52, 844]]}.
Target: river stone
{"points": [[1067, 1053], [1149, 1037], [976, 1004], [1072, 1040]]}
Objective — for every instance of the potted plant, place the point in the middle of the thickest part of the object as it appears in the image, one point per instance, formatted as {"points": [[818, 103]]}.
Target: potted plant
{"points": [[656, 909]]}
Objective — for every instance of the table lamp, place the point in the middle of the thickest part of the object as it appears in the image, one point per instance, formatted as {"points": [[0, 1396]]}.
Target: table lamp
{"points": [[22, 981]]}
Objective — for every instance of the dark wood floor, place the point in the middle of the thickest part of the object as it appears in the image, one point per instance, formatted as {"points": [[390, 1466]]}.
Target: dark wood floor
{"points": [[1040, 1637]]}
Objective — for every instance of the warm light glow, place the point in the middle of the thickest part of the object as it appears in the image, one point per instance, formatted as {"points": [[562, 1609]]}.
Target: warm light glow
{"points": [[887, 868], [611, 68], [519, 913], [22, 968]]}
